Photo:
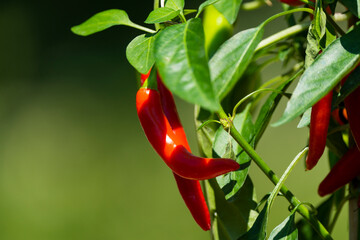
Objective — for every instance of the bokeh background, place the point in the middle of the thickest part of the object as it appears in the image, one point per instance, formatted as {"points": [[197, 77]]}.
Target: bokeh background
{"points": [[74, 162]]}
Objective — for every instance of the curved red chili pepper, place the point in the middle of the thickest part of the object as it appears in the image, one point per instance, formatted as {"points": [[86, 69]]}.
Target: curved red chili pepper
{"points": [[190, 190], [319, 124], [346, 169], [170, 111], [168, 145], [340, 115]]}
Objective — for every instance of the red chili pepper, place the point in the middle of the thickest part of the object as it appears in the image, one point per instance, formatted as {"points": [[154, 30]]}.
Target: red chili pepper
{"points": [[353, 111], [319, 123], [346, 169], [292, 2], [340, 115], [143, 77], [168, 145], [190, 190]]}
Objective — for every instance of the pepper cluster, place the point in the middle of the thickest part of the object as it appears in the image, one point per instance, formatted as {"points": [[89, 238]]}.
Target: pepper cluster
{"points": [[161, 123], [348, 167]]}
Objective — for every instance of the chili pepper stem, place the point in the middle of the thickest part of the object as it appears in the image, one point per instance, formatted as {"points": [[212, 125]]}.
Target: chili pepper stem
{"points": [[315, 223]]}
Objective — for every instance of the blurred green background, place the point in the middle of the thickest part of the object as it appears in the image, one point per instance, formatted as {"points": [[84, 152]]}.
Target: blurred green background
{"points": [[74, 162]]}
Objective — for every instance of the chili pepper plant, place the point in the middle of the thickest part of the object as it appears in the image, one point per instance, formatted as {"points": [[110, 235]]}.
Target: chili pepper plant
{"points": [[196, 55]]}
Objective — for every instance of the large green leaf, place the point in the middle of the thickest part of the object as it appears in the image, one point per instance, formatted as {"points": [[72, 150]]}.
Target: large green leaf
{"points": [[322, 76], [162, 15], [285, 230], [232, 58], [102, 21], [140, 52], [232, 219], [229, 8], [353, 6], [183, 65], [226, 146], [175, 4]]}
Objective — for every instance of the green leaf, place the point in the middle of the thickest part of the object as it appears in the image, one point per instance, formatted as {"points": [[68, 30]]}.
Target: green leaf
{"points": [[206, 134], [285, 230], [175, 4], [258, 230], [140, 52], [319, 22], [102, 21], [226, 146], [312, 47], [350, 85], [229, 8], [232, 59], [305, 119], [353, 6], [183, 65], [232, 219], [162, 15], [322, 76], [204, 5]]}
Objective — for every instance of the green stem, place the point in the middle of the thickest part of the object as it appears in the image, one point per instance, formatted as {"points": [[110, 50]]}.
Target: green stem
{"points": [[145, 29], [252, 94], [156, 6], [182, 17], [283, 35], [286, 13], [318, 227]]}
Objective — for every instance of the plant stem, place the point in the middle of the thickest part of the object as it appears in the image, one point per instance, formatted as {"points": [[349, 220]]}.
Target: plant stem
{"points": [[286, 13], [318, 227], [283, 35], [145, 29], [156, 5]]}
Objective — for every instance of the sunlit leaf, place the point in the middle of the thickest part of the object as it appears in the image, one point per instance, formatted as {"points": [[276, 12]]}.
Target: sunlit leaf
{"points": [[322, 76], [162, 15], [175, 4], [229, 8], [183, 65], [102, 21], [140, 52], [231, 59]]}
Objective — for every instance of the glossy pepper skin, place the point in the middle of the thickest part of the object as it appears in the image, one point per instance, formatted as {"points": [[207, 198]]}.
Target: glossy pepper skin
{"points": [[190, 190], [345, 170], [168, 145], [319, 124]]}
